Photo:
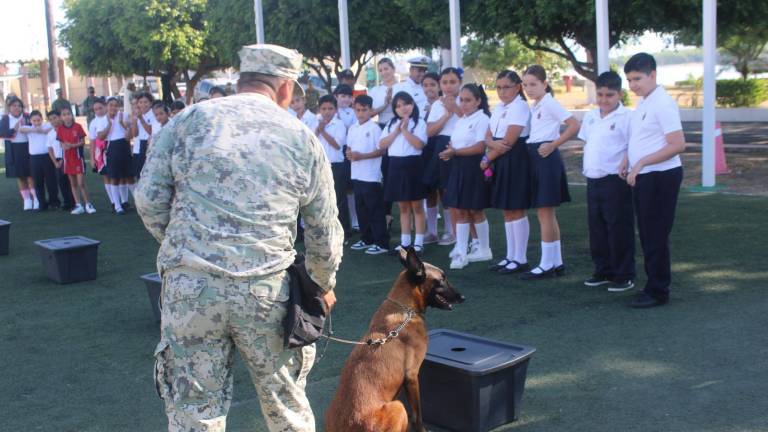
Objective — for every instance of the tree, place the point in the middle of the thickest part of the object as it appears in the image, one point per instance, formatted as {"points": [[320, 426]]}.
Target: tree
{"points": [[745, 50], [312, 27], [144, 37], [557, 26], [509, 52]]}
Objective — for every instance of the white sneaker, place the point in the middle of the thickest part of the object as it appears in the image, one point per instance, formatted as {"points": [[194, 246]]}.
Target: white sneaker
{"points": [[474, 245], [35, 204], [78, 210], [459, 262], [28, 203], [454, 252], [447, 239], [89, 208], [360, 245], [478, 255]]}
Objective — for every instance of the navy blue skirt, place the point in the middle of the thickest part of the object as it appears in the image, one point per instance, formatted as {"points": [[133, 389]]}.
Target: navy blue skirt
{"points": [[17, 162], [549, 184], [118, 158], [511, 186], [138, 159], [427, 153], [467, 188], [404, 179], [437, 171]]}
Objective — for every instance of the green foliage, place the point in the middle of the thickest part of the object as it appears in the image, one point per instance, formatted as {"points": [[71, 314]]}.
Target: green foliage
{"points": [[312, 27], [741, 93], [509, 53], [746, 51]]}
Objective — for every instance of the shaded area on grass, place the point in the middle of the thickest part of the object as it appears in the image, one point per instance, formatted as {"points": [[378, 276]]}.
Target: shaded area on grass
{"points": [[79, 357]]}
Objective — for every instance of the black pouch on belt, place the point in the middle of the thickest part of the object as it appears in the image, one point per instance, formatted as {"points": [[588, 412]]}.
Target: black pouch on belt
{"points": [[305, 319]]}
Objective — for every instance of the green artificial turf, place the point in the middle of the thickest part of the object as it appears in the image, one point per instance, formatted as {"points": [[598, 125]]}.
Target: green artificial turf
{"points": [[79, 357]]}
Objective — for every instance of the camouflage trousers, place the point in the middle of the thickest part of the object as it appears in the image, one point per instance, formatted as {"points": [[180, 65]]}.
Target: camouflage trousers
{"points": [[204, 317]]}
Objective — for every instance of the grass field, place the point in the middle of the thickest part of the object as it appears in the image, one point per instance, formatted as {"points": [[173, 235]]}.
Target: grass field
{"points": [[79, 357]]}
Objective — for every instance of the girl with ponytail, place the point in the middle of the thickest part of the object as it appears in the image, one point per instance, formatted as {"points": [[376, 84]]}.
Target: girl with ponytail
{"points": [[549, 185]]}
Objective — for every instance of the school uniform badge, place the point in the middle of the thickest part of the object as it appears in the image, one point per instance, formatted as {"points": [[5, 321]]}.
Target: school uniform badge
{"points": [[613, 126], [538, 117]]}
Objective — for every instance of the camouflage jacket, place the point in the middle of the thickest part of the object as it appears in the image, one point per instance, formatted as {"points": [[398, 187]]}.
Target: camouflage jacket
{"points": [[223, 185]]}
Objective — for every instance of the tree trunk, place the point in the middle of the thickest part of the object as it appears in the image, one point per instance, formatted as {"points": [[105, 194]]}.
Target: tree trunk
{"points": [[166, 80]]}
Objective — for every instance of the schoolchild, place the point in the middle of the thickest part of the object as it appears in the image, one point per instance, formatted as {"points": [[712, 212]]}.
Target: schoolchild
{"points": [[655, 173], [176, 107], [333, 135], [17, 163], [43, 171], [382, 107], [162, 117], [443, 115], [72, 138], [142, 120], [56, 154], [507, 159], [299, 107], [467, 191], [118, 168], [403, 139], [344, 99], [364, 153], [610, 217], [346, 114], [549, 185]]}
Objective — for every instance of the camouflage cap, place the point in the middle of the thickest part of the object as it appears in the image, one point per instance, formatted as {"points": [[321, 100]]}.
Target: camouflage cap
{"points": [[272, 60]]}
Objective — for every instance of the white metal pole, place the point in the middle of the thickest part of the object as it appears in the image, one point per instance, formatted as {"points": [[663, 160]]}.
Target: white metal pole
{"points": [[344, 34], [259, 15], [603, 41], [709, 44], [454, 11]]}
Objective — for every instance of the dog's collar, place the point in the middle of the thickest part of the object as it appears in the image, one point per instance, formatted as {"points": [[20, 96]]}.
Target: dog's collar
{"points": [[405, 308]]}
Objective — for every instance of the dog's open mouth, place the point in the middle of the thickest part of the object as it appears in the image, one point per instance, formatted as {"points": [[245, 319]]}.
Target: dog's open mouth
{"points": [[442, 302]]}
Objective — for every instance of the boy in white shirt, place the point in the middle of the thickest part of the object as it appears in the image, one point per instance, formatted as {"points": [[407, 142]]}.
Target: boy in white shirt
{"points": [[56, 154], [364, 152], [655, 172], [610, 217], [43, 171], [333, 136]]}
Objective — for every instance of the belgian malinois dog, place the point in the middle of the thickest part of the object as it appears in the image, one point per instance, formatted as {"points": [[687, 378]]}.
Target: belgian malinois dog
{"points": [[391, 354]]}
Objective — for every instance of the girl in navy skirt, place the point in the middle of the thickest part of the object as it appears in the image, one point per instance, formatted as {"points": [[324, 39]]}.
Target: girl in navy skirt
{"points": [[508, 155], [467, 191], [118, 155], [443, 115], [17, 160], [549, 186], [404, 138]]}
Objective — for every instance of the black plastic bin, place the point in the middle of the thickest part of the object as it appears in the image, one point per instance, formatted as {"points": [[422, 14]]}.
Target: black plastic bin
{"points": [[5, 228], [69, 259], [153, 283], [471, 384]]}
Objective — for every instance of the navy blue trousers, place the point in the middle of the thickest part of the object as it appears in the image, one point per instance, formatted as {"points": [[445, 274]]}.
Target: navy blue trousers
{"points": [[44, 177], [611, 222], [340, 181], [655, 196], [369, 200]]}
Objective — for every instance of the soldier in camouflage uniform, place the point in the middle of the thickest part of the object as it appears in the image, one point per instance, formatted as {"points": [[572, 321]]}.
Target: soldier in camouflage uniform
{"points": [[222, 188]]}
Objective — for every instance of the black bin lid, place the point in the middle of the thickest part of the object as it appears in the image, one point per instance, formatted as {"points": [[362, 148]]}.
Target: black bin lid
{"points": [[474, 354], [4, 222], [151, 277], [67, 243]]}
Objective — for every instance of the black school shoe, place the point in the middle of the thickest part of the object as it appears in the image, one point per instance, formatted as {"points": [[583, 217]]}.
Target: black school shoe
{"points": [[551, 272], [520, 268], [596, 280], [644, 301], [621, 286]]}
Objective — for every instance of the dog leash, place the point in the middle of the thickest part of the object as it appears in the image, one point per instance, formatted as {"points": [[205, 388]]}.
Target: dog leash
{"points": [[370, 342]]}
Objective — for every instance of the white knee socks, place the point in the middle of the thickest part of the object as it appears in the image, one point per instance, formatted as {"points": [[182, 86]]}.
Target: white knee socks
{"points": [[483, 235], [462, 238], [522, 230], [509, 232]]}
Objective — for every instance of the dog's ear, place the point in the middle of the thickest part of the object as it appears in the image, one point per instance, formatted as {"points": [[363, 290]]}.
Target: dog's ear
{"points": [[413, 265]]}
